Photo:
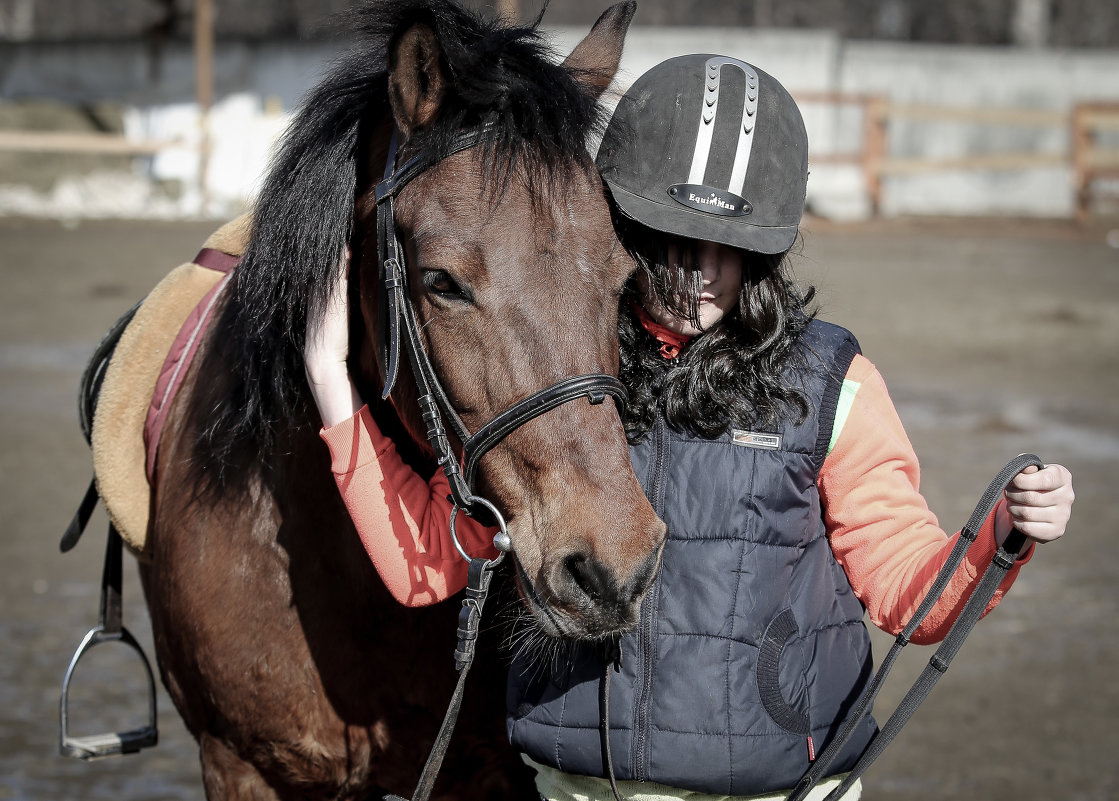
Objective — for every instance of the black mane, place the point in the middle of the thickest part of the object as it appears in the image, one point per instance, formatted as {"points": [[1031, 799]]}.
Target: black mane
{"points": [[537, 114]]}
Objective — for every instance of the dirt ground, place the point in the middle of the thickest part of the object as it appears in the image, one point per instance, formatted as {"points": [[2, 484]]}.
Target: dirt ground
{"points": [[994, 337]]}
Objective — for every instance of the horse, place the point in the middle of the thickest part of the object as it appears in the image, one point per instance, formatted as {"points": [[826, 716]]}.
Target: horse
{"points": [[289, 662]]}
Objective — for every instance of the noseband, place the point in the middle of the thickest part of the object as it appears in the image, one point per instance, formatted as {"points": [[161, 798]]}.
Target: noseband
{"points": [[398, 322]]}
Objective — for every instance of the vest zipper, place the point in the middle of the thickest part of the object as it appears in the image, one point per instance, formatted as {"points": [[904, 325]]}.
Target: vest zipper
{"points": [[647, 632]]}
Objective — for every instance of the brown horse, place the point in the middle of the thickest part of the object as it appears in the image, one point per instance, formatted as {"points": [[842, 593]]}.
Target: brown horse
{"points": [[287, 658]]}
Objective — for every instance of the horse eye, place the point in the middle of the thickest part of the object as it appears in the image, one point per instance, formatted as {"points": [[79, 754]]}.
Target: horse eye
{"points": [[441, 283]]}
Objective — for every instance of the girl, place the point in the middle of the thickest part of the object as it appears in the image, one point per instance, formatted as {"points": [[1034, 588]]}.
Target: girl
{"points": [[762, 437]]}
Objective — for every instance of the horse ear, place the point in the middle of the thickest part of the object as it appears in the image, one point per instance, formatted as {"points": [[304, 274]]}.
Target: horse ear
{"points": [[416, 78], [594, 61]]}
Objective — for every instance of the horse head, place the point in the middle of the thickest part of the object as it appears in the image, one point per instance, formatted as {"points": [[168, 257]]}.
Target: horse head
{"points": [[514, 274]]}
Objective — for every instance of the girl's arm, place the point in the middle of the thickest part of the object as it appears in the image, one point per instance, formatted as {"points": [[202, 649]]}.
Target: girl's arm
{"points": [[401, 518], [882, 531]]}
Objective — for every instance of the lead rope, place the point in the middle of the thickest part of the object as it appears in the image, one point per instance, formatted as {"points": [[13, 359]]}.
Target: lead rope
{"points": [[612, 656], [977, 602], [469, 621]]}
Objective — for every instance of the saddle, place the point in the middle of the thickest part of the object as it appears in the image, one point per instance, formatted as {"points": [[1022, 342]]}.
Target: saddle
{"points": [[145, 372]]}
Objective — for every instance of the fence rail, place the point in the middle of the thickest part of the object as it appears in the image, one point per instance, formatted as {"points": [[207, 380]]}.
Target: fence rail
{"points": [[1090, 162], [1087, 158], [62, 142]]}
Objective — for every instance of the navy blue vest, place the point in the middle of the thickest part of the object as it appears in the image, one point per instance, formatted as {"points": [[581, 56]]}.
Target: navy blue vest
{"points": [[751, 646]]}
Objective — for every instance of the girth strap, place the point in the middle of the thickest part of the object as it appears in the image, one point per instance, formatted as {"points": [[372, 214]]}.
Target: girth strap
{"points": [[89, 390], [81, 518], [94, 374]]}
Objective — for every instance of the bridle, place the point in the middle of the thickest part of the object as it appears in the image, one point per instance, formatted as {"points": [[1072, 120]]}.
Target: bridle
{"points": [[398, 322], [398, 326]]}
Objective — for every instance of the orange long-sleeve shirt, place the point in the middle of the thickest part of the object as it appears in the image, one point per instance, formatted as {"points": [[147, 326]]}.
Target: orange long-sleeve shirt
{"points": [[402, 519], [879, 525]]}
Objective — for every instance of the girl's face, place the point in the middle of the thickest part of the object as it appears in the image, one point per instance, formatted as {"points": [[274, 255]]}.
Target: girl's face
{"points": [[721, 270]]}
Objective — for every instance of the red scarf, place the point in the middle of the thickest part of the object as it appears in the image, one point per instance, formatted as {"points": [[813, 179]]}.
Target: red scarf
{"points": [[671, 342]]}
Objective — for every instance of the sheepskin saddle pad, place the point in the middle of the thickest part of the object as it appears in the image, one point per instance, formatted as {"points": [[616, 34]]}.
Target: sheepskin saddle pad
{"points": [[146, 371]]}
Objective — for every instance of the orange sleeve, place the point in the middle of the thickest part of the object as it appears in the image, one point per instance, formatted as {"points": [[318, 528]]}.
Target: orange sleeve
{"points": [[879, 525], [403, 520]]}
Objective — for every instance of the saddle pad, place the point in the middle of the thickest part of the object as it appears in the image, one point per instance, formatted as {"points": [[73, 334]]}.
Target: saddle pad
{"points": [[145, 372]]}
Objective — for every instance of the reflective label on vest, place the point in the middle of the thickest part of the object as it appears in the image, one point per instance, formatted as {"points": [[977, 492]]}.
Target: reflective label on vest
{"points": [[754, 439]]}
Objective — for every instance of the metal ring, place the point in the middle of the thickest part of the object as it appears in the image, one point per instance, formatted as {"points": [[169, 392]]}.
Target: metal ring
{"points": [[503, 531]]}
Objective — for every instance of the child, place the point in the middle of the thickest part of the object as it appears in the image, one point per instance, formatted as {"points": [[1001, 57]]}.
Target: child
{"points": [[764, 440]]}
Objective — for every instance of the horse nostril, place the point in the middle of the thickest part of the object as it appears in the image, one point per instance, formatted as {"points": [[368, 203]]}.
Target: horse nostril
{"points": [[643, 577], [590, 576]]}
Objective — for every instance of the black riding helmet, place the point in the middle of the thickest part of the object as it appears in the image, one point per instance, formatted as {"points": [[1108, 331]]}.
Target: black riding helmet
{"points": [[712, 148]]}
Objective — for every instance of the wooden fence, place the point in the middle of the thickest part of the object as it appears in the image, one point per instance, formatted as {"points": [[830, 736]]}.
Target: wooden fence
{"points": [[81, 142], [1089, 160], [116, 144]]}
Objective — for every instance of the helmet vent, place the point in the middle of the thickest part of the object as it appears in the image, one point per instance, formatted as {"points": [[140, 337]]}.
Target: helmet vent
{"points": [[710, 108]]}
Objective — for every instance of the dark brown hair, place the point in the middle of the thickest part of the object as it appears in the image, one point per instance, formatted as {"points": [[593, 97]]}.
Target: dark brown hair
{"points": [[741, 371]]}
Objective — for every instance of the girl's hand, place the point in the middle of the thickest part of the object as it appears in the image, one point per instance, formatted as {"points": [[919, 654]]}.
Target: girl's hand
{"points": [[325, 351], [1039, 502]]}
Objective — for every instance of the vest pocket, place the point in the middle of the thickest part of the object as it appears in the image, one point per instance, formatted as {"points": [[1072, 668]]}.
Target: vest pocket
{"points": [[776, 637]]}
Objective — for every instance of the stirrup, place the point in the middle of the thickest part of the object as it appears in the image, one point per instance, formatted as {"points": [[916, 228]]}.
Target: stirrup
{"points": [[95, 746], [108, 629]]}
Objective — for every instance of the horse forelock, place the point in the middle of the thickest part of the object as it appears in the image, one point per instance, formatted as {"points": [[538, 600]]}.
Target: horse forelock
{"points": [[507, 81]]}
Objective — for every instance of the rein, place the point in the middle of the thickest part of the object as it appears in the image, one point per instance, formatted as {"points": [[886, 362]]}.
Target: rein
{"points": [[398, 328], [974, 607]]}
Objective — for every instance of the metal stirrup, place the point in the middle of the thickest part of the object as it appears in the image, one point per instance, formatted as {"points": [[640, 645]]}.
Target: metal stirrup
{"points": [[108, 629]]}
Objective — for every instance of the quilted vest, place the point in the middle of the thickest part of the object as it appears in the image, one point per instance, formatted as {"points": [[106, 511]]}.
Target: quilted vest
{"points": [[751, 645]]}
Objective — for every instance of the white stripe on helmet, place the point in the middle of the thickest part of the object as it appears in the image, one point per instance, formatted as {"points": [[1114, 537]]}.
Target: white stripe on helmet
{"points": [[710, 108]]}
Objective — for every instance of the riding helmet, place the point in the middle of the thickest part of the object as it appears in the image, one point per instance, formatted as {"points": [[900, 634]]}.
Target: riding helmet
{"points": [[712, 148]]}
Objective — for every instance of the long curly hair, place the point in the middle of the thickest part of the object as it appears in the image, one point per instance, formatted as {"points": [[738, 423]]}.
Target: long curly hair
{"points": [[741, 371]]}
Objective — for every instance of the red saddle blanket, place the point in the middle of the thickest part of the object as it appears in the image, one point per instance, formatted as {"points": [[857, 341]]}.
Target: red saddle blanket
{"points": [[183, 348]]}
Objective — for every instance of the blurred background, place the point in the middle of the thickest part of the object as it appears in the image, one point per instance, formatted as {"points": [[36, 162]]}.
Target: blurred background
{"points": [[963, 220], [167, 108]]}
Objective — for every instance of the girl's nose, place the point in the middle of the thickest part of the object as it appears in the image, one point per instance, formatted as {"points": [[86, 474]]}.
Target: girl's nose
{"points": [[709, 267]]}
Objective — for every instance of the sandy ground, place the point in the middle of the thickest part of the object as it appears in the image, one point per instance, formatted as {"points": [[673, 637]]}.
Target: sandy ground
{"points": [[995, 338]]}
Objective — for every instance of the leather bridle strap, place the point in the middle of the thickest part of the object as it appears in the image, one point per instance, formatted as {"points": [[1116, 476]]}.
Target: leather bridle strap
{"points": [[973, 609], [399, 324], [595, 387], [394, 296], [470, 617]]}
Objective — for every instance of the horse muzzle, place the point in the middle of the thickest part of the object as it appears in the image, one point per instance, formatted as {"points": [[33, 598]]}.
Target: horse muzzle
{"points": [[580, 596]]}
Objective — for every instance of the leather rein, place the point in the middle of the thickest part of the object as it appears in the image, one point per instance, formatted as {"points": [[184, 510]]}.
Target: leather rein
{"points": [[399, 328]]}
